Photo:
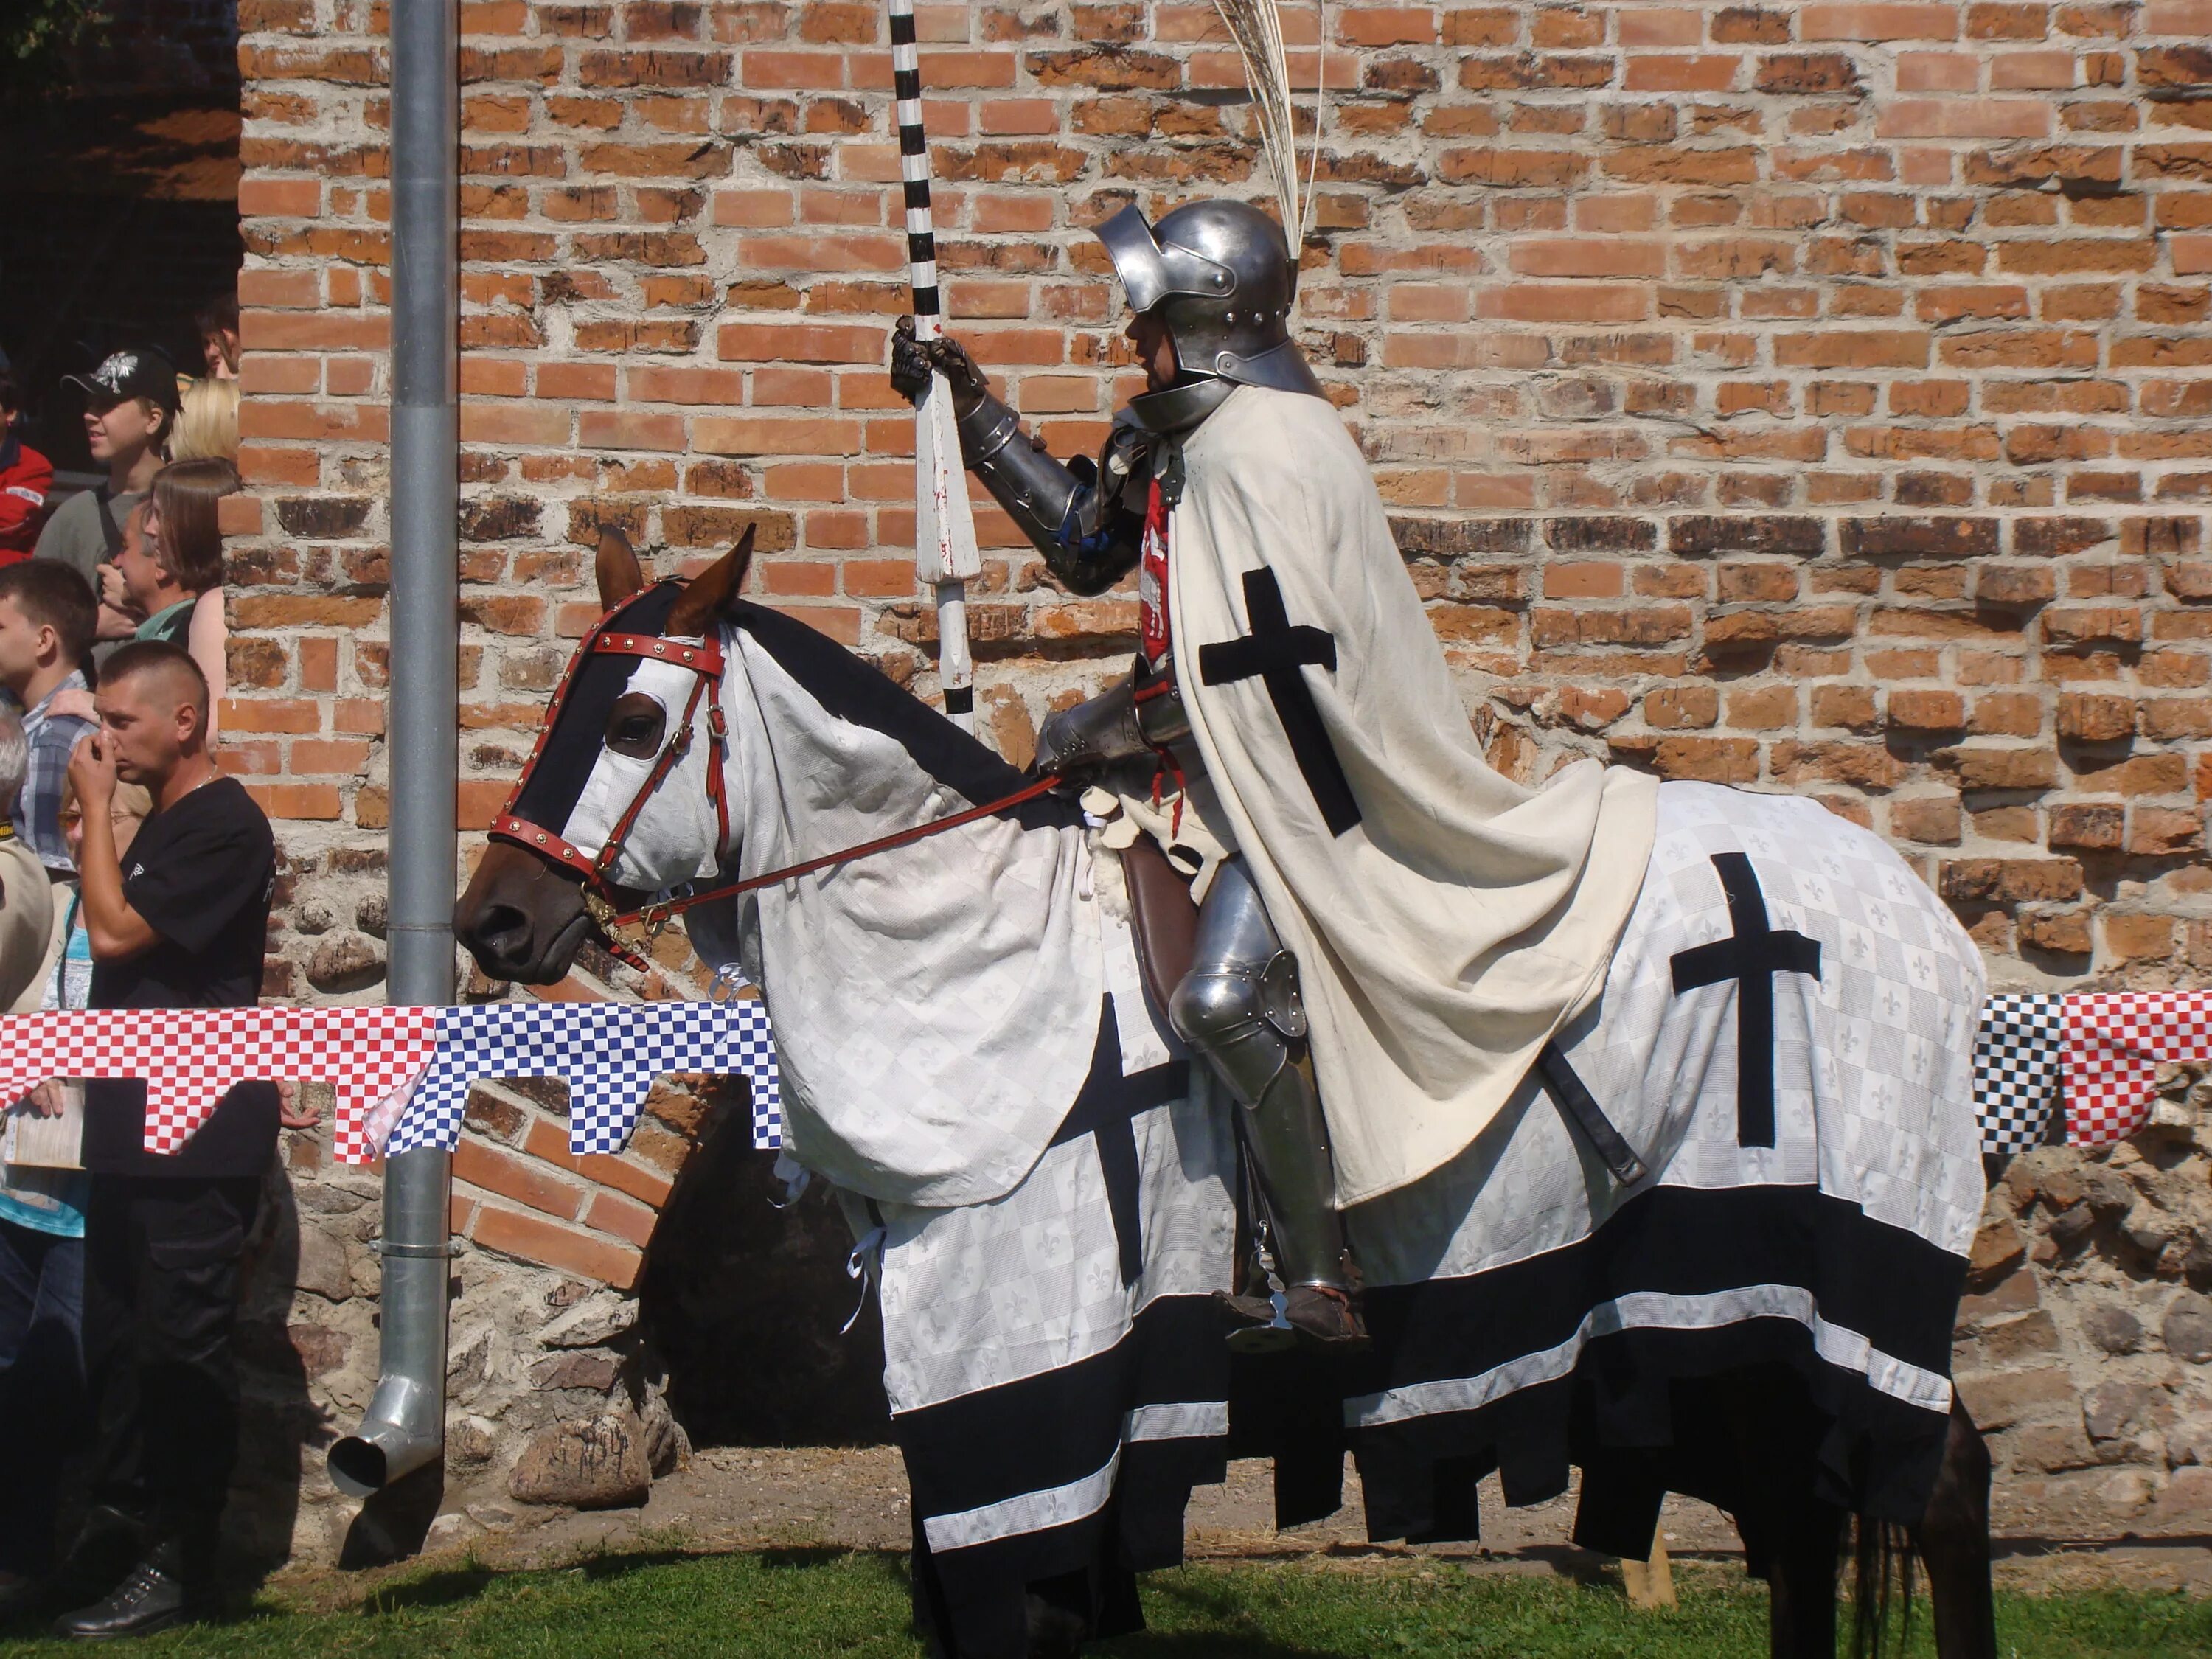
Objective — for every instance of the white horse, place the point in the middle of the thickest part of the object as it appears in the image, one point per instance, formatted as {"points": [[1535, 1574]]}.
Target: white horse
{"points": [[1760, 1315]]}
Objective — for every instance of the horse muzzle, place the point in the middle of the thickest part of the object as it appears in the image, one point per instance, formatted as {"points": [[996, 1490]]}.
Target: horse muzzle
{"points": [[522, 918]]}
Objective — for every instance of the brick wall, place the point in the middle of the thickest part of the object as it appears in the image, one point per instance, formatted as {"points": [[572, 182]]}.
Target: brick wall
{"points": [[1808, 397]]}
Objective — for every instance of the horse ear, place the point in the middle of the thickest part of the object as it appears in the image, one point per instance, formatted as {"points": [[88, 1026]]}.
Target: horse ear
{"points": [[617, 567], [708, 594]]}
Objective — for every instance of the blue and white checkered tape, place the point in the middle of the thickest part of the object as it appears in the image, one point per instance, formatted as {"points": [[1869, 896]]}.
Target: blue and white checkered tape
{"points": [[609, 1054]]}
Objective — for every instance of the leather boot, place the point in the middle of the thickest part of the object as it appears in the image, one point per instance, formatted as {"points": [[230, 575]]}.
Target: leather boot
{"points": [[151, 1597], [108, 1542]]}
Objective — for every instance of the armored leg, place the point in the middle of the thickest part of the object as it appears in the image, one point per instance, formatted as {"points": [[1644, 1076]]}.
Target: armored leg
{"points": [[1239, 1007]]}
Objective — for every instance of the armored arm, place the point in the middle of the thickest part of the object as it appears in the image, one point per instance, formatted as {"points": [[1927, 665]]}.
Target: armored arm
{"points": [[1076, 516]]}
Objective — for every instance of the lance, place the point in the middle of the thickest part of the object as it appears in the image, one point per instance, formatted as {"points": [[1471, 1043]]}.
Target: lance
{"points": [[945, 555]]}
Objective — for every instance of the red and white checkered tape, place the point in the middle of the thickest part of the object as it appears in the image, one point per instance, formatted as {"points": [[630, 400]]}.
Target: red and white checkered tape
{"points": [[2115, 1044], [190, 1057]]}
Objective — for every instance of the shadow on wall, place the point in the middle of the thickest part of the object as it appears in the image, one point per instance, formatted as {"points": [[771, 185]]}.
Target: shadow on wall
{"points": [[743, 1303], [280, 1425], [96, 194]]}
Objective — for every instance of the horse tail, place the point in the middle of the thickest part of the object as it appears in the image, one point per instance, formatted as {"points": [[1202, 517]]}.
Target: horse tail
{"points": [[1881, 1571]]}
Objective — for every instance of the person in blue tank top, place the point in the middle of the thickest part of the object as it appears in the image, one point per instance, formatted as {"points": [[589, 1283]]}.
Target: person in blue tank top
{"points": [[42, 1294]]}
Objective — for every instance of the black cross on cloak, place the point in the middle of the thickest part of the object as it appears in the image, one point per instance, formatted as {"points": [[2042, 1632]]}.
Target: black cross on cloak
{"points": [[1751, 958], [1277, 655]]}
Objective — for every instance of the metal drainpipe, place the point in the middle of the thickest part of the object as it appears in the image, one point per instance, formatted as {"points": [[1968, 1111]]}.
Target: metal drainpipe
{"points": [[404, 1427]]}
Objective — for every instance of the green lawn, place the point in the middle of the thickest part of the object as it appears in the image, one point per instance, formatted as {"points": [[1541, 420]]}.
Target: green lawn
{"points": [[790, 1605]]}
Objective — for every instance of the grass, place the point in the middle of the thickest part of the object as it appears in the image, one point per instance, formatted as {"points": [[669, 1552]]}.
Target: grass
{"points": [[799, 1604]]}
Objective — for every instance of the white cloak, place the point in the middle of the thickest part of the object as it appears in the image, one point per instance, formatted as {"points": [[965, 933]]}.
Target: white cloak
{"points": [[1462, 918]]}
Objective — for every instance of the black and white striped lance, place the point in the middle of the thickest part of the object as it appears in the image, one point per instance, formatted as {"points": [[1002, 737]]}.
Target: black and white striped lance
{"points": [[913, 169]]}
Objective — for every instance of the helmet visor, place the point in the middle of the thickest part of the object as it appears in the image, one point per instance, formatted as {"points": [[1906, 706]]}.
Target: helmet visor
{"points": [[1150, 273]]}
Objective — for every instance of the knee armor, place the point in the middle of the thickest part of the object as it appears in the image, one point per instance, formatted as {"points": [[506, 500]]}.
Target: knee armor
{"points": [[1244, 1016]]}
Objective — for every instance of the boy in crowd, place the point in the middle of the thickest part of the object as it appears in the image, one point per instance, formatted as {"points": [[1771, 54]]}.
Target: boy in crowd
{"points": [[27, 898], [131, 405], [26, 477], [46, 622], [182, 926]]}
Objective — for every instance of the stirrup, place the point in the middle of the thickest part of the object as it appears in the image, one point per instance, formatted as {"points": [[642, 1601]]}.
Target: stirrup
{"points": [[1258, 1324], [1323, 1317]]}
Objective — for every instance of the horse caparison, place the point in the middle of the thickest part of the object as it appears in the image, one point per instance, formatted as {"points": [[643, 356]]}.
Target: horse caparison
{"points": [[1753, 1434]]}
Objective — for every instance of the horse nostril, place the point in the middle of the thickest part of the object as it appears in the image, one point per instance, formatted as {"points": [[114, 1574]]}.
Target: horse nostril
{"points": [[501, 931]]}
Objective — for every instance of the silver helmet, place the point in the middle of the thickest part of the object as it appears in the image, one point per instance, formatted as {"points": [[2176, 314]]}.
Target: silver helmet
{"points": [[1219, 275]]}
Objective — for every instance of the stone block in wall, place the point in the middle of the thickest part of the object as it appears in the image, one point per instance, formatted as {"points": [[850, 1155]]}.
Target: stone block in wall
{"points": [[2000, 1399], [2187, 1329], [594, 1463]]}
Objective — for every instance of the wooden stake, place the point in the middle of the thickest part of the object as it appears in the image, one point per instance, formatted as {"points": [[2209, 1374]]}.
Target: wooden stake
{"points": [[1651, 1583]]}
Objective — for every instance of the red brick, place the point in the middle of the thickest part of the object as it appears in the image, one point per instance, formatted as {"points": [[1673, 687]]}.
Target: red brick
{"points": [[1964, 118], [683, 386], [811, 343], [1682, 72], [282, 198], [2010, 881], [587, 1255], [521, 1179], [1605, 256], [2132, 938], [715, 434], [625, 1218], [306, 801], [624, 429], [1904, 21]]}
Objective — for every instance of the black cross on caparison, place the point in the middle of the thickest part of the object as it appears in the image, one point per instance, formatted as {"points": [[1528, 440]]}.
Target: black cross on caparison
{"points": [[1277, 653], [1751, 958]]}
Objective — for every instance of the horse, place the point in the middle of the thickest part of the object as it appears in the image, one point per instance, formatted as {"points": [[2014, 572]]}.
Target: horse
{"points": [[1757, 1311]]}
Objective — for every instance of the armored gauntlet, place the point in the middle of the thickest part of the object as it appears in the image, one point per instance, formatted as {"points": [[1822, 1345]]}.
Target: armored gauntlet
{"points": [[1138, 715]]}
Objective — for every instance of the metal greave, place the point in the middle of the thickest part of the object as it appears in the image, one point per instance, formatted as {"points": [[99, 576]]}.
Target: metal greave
{"points": [[1238, 1006]]}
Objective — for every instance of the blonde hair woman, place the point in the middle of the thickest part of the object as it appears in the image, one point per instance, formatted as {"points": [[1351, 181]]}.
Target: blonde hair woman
{"points": [[207, 421], [172, 546]]}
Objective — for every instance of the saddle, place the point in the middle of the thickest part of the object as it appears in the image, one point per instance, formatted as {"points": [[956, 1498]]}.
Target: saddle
{"points": [[1163, 915]]}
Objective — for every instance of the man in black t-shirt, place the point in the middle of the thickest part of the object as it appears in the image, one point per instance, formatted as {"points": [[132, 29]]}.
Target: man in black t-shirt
{"points": [[180, 923]]}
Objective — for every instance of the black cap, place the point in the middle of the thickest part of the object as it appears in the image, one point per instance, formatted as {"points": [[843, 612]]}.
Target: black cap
{"points": [[137, 371]]}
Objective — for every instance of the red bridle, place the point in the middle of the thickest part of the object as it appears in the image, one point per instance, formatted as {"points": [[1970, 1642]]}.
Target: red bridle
{"points": [[628, 932], [705, 661]]}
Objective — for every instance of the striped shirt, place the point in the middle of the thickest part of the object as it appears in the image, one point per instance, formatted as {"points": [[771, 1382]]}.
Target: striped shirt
{"points": [[38, 808]]}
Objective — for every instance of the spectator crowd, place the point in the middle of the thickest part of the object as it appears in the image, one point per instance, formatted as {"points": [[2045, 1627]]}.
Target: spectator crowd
{"points": [[134, 873]]}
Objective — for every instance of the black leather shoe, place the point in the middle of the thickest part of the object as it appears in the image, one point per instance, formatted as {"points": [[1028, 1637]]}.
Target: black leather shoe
{"points": [[150, 1598], [106, 1545]]}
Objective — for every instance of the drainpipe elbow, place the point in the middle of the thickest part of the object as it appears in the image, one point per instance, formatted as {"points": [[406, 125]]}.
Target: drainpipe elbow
{"points": [[404, 1429]]}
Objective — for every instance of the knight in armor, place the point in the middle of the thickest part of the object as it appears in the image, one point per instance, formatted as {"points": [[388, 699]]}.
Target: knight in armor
{"points": [[1396, 929]]}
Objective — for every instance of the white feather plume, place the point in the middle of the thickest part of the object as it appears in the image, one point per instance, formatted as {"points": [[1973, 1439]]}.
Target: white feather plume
{"points": [[1256, 26]]}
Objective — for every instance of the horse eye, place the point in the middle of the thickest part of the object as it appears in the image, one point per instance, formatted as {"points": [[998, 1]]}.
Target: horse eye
{"points": [[635, 731]]}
